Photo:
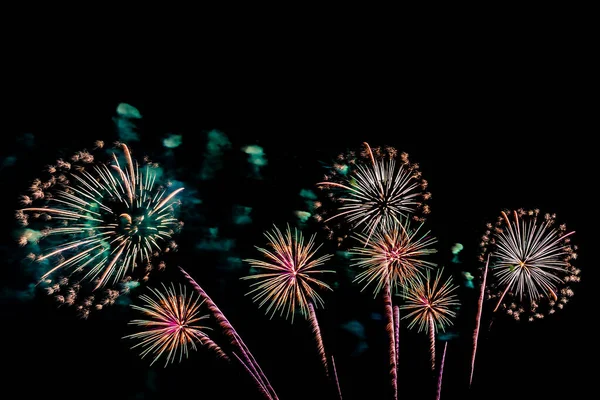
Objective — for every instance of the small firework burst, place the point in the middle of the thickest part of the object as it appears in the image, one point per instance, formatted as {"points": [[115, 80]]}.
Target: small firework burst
{"points": [[530, 264], [99, 224], [376, 186], [430, 306], [393, 254], [290, 268], [172, 325]]}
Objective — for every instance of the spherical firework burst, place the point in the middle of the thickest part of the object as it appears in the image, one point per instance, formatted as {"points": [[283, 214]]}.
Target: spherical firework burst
{"points": [[430, 305], [393, 254], [370, 188], [288, 280], [172, 325], [95, 222], [530, 264]]}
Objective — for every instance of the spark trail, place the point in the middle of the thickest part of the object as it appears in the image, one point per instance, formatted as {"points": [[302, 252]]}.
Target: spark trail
{"points": [[478, 320], [246, 359]]}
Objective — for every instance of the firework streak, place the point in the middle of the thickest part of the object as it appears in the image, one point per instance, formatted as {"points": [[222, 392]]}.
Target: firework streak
{"points": [[397, 332], [246, 359], [387, 299], [319, 339], [441, 373], [335, 377], [478, 320]]}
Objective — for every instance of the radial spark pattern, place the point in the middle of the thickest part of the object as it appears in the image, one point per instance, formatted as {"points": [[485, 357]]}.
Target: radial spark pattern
{"points": [[372, 188], [172, 325], [430, 306], [288, 282], [530, 264], [96, 222], [394, 252], [430, 303]]}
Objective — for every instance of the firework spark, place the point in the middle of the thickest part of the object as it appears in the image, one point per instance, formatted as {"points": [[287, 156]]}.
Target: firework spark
{"points": [[172, 325], [374, 188], [430, 306], [387, 300], [100, 221], [288, 283], [531, 264], [438, 394], [393, 254], [478, 320]]}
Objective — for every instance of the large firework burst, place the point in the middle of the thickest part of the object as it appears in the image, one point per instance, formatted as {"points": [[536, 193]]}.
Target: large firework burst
{"points": [[530, 262], [172, 325], [374, 188], [95, 221], [291, 265], [393, 254], [290, 283], [430, 306]]}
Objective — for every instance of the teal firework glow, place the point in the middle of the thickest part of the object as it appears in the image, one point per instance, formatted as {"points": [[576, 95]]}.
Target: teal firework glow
{"points": [[98, 222]]}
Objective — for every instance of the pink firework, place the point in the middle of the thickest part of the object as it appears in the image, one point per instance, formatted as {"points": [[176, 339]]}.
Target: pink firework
{"points": [[289, 279], [172, 325], [429, 305]]}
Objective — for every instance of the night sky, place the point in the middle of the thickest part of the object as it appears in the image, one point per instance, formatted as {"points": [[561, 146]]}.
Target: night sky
{"points": [[527, 149]]}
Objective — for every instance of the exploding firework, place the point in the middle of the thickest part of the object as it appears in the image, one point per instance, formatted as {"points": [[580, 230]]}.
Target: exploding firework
{"points": [[392, 258], [530, 264], [430, 306], [372, 188], [96, 223], [172, 325], [393, 254], [288, 284]]}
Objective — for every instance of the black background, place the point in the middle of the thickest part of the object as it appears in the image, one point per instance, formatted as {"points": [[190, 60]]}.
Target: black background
{"points": [[485, 142]]}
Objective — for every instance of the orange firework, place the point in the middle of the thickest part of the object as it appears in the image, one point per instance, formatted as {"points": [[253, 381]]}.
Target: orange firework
{"points": [[393, 255], [430, 306], [171, 325], [288, 281]]}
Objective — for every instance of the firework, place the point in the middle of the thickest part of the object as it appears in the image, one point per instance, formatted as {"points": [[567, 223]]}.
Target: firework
{"points": [[530, 261], [441, 374], [172, 325], [335, 378], [96, 222], [247, 360], [389, 327], [288, 282], [393, 254], [373, 188], [478, 320], [429, 305]]}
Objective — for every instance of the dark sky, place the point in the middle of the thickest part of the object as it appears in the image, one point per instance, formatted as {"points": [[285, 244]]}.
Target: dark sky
{"points": [[491, 147]]}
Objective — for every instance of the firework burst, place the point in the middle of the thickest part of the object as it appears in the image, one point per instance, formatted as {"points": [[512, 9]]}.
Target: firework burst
{"points": [[288, 283], [374, 188], [430, 306], [530, 263], [96, 222], [392, 254], [172, 325]]}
